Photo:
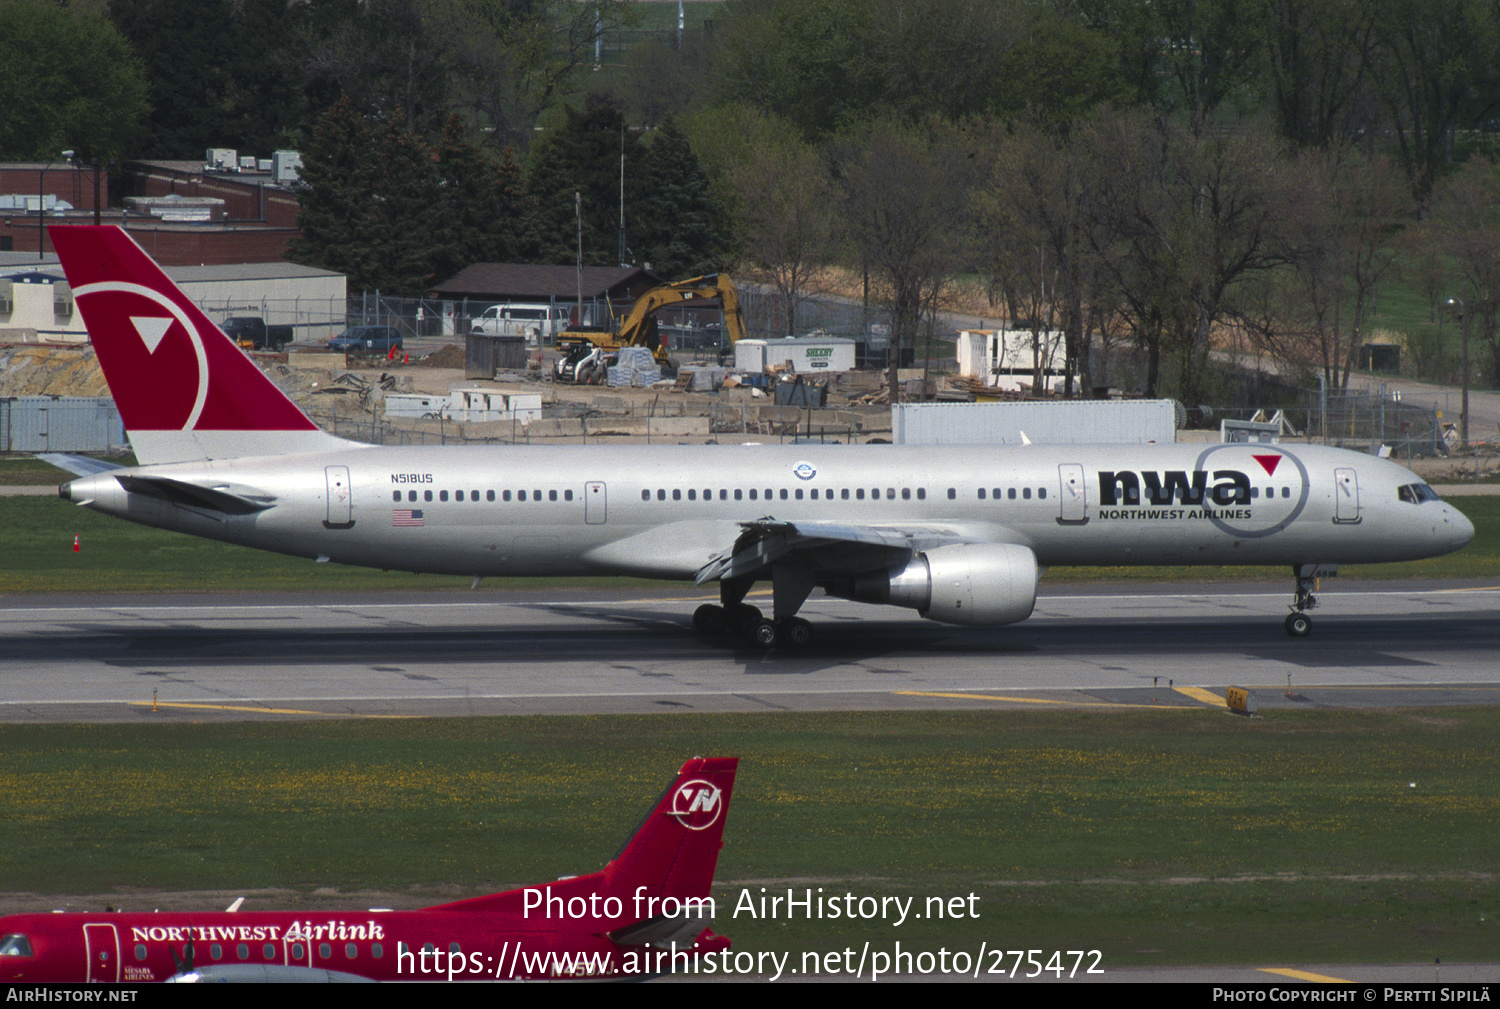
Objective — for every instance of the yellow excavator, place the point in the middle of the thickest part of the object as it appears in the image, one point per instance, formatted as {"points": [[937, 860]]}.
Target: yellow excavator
{"points": [[587, 354]]}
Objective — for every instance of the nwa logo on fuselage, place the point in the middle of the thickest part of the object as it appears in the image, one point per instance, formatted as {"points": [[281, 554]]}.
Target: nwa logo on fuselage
{"points": [[1124, 487]]}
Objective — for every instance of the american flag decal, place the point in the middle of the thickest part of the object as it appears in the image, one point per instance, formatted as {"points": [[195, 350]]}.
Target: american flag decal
{"points": [[406, 517]]}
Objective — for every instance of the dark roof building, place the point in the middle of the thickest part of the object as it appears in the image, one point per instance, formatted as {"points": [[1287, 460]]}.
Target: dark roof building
{"points": [[505, 282]]}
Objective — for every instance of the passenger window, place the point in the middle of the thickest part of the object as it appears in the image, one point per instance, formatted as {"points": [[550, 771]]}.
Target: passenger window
{"points": [[505, 495], [552, 495], [1011, 493], [645, 495], [140, 951], [692, 495], [676, 494], [737, 493], [489, 495], [859, 493], [1026, 493], [520, 495], [458, 495], [905, 493], [783, 493], [242, 951], [442, 495], [325, 951], [427, 495], [661, 495], [395, 495], [921, 493], [798, 495], [1041, 492], [350, 951]]}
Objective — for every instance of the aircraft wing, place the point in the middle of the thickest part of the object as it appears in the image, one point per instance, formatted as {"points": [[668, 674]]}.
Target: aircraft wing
{"points": [[824, 545], [78, 465]]}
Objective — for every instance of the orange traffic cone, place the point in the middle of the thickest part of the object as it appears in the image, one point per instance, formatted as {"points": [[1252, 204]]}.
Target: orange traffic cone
{"points": [[75, 545]]}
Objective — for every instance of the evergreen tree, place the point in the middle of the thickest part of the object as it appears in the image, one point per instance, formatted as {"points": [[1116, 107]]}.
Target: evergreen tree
{"points": [[373, 206], [484, 215], [584, 157], [678, 225]]}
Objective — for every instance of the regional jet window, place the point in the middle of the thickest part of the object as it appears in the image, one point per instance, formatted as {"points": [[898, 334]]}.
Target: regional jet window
{"points": [[216, 951], [350, 951], [15, 944], [242, 951], [268, 951], [325, 951], [377, 950], [140, 951]]}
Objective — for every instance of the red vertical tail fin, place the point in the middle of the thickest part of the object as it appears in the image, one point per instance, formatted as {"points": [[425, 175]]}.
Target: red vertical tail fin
{"points": [[674, 852], [185, 391]]}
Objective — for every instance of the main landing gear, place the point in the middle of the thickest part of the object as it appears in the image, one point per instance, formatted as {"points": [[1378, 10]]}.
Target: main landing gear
{"points": [[1298, 623], [738, 619]]}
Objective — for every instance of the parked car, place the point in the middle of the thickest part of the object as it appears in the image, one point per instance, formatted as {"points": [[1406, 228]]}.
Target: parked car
{"points": [[367, 339]]}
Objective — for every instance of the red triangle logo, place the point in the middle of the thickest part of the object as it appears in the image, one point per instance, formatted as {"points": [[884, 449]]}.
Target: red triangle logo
{"points": [[1268, 463]]}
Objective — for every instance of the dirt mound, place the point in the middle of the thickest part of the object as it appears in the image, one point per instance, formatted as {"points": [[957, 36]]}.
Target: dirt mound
{"points": [[451, 356], [44, 370]]}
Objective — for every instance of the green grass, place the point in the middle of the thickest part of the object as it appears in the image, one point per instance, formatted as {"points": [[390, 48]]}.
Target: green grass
{"points": [[1312, 836], [36, 555]]}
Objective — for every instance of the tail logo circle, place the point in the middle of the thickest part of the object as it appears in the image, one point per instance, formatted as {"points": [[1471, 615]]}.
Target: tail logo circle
{"points": [[696, 804]]}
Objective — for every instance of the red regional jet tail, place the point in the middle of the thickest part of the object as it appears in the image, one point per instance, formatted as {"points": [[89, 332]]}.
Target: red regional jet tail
{"points": [[185, 391], [663, 874]]}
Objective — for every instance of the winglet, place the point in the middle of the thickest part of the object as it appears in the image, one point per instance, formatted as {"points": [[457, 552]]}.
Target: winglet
{"points": [[185, 391]]}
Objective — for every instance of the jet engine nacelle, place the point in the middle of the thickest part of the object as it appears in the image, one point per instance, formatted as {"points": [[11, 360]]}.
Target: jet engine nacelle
{"points": [[973, 584]]}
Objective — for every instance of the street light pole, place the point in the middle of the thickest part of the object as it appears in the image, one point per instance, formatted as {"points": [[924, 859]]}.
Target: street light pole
{"points": [[1463, 326], [41, 209]]}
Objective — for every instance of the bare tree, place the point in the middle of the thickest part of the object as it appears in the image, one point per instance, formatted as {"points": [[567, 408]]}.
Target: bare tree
{"points": [[906, 194]]}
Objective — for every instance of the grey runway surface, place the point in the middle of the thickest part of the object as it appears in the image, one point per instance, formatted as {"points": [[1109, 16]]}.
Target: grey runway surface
{"points": [[235, 656]]}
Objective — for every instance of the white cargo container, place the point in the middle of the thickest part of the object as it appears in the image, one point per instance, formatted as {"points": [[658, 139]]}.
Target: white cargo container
{"points": [[808, 355], [1054, 422]]}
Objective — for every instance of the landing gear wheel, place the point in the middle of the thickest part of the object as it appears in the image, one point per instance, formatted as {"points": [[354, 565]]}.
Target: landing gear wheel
{"points": [[763, 634], [1298, 625], [710, 620], [795, 632]]}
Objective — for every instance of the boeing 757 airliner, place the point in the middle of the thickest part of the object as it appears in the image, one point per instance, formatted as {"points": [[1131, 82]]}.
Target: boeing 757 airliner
{"points": [[959, 534]]}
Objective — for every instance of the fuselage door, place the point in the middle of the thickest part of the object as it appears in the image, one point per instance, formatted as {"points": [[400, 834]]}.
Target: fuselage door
{"points": [[102, 944], [340, 498], [1074, 497], [594, 502], [1345, 496]]}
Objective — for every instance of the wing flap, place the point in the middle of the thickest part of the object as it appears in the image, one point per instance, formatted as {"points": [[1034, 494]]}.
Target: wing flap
{"points": [[822, 545]]}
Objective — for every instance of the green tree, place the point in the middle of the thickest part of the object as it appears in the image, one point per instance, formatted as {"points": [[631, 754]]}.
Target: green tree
{"points": [[677, 221], [187, 47], [369, 207], [484, 215], [67, 81], [585, 157]]}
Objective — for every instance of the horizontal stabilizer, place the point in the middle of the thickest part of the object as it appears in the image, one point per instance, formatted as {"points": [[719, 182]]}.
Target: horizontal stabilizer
{"points": [[78, 465], [192, 496]]}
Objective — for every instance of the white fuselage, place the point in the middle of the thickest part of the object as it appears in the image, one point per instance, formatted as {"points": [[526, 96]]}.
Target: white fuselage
{"points": [[667, 511]]}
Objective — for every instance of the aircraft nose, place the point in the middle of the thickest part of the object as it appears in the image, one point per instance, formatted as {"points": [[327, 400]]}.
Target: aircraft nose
{"points": [[1458, 530]]}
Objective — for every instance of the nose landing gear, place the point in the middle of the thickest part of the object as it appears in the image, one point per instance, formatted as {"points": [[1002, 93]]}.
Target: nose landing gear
{"points": [[1298, 623]]}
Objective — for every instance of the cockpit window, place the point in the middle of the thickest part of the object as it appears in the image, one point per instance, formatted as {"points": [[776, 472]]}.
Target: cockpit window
{"points": [[1416, 493], [15, 945]]}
